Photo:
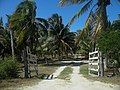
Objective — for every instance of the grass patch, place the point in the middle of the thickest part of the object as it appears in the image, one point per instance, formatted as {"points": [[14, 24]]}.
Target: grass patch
{"points": [[47, 69], [12, 84], [105, 79], [65, 74], [84, 69]]}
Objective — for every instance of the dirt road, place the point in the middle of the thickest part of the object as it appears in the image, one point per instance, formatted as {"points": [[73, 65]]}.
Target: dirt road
{"points": [[77, 82]]}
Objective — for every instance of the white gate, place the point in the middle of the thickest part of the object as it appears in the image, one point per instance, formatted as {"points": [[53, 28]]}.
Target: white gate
{"points": [[95, 63]]}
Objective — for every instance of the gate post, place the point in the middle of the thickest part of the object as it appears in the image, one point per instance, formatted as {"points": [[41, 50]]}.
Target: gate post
{"points": [[25, 63], [101, 64]]}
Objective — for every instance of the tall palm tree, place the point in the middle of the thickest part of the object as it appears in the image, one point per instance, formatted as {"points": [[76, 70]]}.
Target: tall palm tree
{"points": [[101, 14], [101, 8], [28, 30], [22, 22], [42, 34], [62, 40], [83, 41], [4, 41], [1, 39]]}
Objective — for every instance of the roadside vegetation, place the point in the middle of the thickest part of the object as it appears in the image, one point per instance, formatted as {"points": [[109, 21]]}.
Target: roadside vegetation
{"points": [[15, 83], [84, 69], [8, 69], [111, 80], [65, 74]]}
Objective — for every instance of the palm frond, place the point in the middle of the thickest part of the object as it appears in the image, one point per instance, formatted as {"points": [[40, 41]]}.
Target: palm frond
{"points": [[88, 19], [64, 43], [70, 2], [81, 11], [43, 21], [119, 1], [79, 37], [97, 31]]}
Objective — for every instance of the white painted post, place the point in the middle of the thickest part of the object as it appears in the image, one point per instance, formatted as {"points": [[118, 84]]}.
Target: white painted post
{"points": [[89, 65], [98, 64], [101, 65]]}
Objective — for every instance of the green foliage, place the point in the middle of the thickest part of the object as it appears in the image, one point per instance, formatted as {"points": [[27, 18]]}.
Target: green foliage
{"points": [[22, 22], [8, 69], [4, 40], [108, 41], [109, 44], [60, 40], [116, 24], [83, 41]]}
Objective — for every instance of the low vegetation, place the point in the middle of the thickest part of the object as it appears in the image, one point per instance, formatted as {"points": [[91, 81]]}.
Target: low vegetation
{"points": [[65, 74], [105, 79], [19, 82], [8, 69], [84, 70]]}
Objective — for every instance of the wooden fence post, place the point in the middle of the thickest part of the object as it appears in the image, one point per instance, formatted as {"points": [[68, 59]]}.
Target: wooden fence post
{"points": [[25, 63]]}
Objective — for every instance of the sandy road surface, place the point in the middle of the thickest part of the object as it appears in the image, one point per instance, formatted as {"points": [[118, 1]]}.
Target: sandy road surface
{"points": [[77, 82]]}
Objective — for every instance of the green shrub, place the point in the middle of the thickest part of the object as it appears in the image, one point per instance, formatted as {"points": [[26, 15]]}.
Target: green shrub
{"points": [[8, 69]]}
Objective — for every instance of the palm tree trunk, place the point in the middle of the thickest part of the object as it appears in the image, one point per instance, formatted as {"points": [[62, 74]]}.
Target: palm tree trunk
{"points": [[104, 18], [103, 13], [12, 45], [25, 62]]}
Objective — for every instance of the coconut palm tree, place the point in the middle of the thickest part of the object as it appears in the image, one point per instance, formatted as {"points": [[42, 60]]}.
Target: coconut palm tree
{"points": [[83, 42], [28, 30], [4, 41], [62, 40], [22, 22], [1, 39], [100, 4], [100, 14]]}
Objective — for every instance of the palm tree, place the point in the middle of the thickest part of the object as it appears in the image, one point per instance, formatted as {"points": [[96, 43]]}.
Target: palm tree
{"points": [[4, 41], [83, 42], [42, 35], [22, 22], [100, 14], [61, 39], [1, 39], [28, 30], [101, 9]]}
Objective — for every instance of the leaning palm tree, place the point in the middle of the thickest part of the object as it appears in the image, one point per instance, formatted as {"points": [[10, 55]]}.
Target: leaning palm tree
{"points": [[22, 22], [100, 4], [28, 30]]}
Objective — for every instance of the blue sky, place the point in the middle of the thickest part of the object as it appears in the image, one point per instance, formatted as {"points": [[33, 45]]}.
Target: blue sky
{"points": [[45, 8]]}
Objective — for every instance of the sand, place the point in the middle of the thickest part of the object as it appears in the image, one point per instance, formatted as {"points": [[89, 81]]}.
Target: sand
{"points": [[77, 82]]}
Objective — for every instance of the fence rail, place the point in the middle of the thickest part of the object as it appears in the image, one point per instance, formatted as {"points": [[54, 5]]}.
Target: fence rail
{"points": [[94, 62], [32, 62]]}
